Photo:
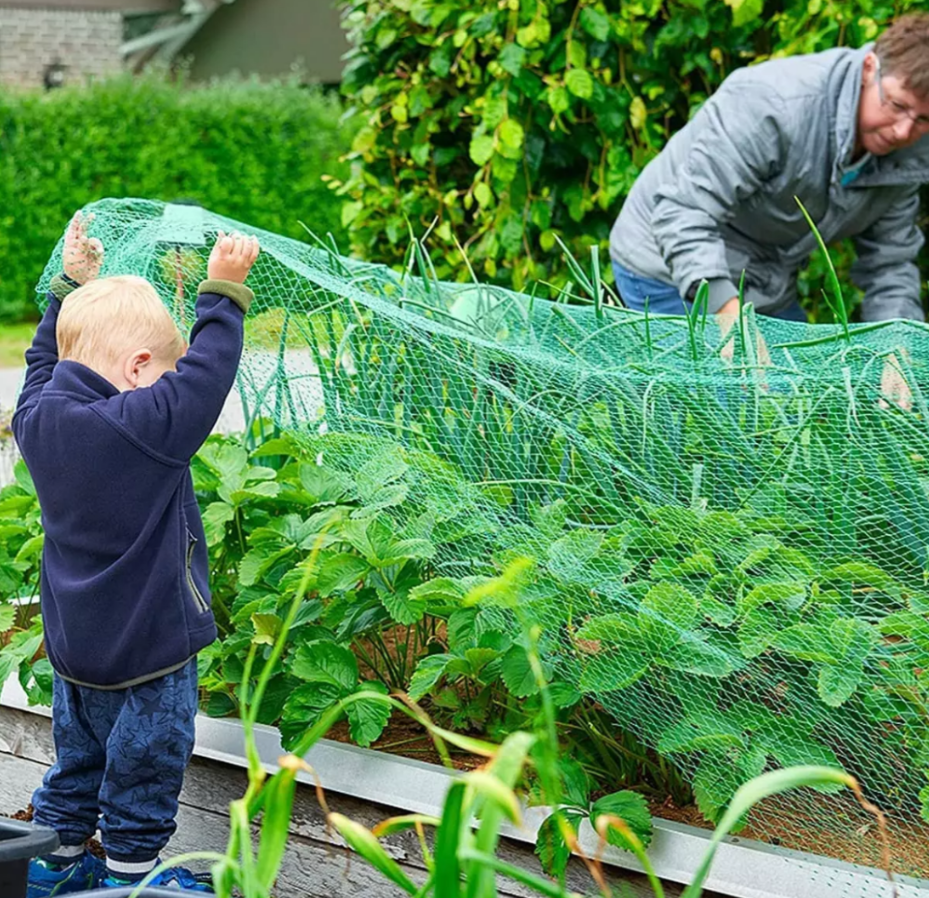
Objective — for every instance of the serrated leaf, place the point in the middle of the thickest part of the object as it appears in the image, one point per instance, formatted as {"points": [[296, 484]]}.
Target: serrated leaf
{"points": [[442, 590], [258, 561], [696, 656], [790, 595], [428, 672], [613, 670], [550, 846], [368, 717], [837, 683], [402, 606], [324, 486], [303, 708], [7, 617], [340, 572], [267, 627], [615, 628], [807, 642], [215, 518], [517, 673], [667, 612], [326, 662], [630, 807]]}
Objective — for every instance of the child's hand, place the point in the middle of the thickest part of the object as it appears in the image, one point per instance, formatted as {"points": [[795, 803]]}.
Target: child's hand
{"points": [[232, 257], [82, 255]]}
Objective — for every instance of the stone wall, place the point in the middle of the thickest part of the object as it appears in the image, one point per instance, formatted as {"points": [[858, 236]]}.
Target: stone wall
{"points": [[86, 42]]}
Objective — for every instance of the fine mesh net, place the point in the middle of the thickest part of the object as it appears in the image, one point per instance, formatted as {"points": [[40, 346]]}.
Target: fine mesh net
{"points": [[731, 535]]}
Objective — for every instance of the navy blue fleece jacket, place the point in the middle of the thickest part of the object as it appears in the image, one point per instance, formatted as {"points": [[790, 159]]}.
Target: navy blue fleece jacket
{"points": [[124, 586]]}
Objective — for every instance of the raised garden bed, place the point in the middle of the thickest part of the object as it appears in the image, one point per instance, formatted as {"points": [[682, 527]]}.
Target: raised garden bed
{"points": [[744, 868]]}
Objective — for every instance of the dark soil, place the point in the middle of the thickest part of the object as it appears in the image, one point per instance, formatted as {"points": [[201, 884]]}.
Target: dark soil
{"points": [[93, 846]]}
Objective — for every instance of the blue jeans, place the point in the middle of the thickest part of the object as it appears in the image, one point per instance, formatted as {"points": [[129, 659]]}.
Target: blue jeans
{"points": [[663, 299], [121, 754]]}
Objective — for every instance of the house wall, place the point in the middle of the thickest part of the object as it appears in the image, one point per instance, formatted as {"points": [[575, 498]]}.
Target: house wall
{"points": [[266, 37], [86, 41]]}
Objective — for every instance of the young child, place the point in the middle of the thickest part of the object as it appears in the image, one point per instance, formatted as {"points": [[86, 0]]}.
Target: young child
{"points": [[113, 408]]}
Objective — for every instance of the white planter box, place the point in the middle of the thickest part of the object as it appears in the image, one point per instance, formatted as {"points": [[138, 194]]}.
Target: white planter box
{"points": [[743, 868]]}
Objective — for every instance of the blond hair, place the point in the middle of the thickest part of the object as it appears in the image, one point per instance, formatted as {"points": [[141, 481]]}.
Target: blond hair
{"points": [[903, 50], [106, 318]]}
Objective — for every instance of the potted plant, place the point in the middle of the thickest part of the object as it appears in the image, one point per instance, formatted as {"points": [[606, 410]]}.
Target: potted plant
{"points": [[19, 843]]}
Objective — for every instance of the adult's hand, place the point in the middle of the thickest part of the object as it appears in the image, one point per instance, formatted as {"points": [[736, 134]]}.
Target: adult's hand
{"points": [[894, 387], [726, 316]]}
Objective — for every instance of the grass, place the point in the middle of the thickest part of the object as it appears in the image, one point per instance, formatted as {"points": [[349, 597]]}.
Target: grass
{"points": [[14, 341]]}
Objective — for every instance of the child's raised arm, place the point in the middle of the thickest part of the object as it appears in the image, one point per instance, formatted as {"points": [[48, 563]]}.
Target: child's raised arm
{"points": [[81, 259], [176, 414]]}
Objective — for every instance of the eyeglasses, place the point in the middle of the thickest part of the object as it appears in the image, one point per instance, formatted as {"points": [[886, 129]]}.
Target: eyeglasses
{"points": [[900, 110]]}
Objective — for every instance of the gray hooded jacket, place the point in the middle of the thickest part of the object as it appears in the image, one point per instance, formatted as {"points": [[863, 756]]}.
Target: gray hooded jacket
{"points": [[719, 199]]}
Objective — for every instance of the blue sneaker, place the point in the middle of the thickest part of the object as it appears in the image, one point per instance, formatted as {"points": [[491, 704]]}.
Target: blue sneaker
{"points": [[172, 878], [47, 879]]}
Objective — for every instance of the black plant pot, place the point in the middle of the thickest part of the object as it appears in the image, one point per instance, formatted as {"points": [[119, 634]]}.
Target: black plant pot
{"points": [[19, 843], [145, 893]]}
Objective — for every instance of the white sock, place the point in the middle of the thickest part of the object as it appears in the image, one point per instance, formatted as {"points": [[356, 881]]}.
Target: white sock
{"points": [[65, 853], [123, 867]]}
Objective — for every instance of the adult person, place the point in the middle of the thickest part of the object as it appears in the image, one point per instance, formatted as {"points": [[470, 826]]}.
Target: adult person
{"points": [[844, 131]]}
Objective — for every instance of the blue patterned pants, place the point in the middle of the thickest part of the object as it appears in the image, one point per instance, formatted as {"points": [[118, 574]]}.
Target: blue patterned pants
{"points": [[121, 761]]}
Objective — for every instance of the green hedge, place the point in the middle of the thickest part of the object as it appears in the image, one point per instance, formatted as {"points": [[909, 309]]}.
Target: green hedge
{"points": [[252, 151], [519, 121]]}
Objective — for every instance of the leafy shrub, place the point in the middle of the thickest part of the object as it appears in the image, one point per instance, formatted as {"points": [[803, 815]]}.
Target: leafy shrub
{"points": [[253, 151], [516, 123]]}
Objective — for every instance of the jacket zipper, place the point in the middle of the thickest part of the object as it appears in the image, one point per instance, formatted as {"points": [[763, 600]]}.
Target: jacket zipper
{"points": [[200, 601]]}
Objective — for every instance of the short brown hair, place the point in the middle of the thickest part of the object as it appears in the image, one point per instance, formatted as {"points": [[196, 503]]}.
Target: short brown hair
{"points": [[903, 50], [107, 317]]}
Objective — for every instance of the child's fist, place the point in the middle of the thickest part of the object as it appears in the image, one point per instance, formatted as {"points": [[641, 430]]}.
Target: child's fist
{"points": [[82, 255], [232, 257]]}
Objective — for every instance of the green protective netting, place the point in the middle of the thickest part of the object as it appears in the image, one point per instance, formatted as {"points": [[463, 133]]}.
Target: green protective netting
{"points": [[732, 558]]}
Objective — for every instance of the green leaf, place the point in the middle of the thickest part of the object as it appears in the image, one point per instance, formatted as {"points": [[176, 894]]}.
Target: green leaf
{"points": [[326, 662], [428, 672], [550, 845], [615, 628], [258, 561], [517, 673], [402, 606], [481, 149], [7, 617], [364, 842], [303, 707], [630, 807], [580, 83], [595, 23], [511, 58], [696, 656], [790, 595], [613, 670], [709, 730], [267, 628], [720, 775], [215, 518], [340, 572], [558, 101], [745, 11], [512, 135], [440, 590], [807, 642], [667, 612], [323, 485], [368, 717]]}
